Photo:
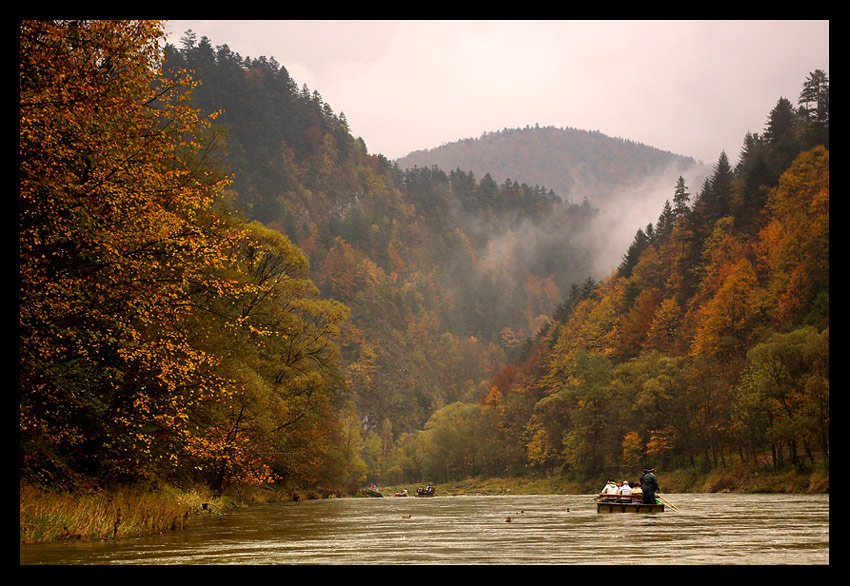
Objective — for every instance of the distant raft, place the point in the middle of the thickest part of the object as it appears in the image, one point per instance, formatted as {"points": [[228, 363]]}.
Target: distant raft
{"points": [[427, 491], [625, 504]]}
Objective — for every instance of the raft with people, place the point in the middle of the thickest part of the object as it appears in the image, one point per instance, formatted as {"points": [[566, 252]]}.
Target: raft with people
{"points": [[637, 497], [427, 491]]}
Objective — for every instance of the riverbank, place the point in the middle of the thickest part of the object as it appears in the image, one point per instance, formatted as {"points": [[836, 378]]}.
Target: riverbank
{"points": [[731, 479], [51, 516], [48, 516]]}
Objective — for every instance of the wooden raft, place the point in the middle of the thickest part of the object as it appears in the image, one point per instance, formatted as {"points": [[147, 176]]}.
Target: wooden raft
{"points": [[627, 506]]}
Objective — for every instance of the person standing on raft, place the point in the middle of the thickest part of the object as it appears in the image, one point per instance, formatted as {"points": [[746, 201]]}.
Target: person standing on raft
{"points": [[649, 484]]}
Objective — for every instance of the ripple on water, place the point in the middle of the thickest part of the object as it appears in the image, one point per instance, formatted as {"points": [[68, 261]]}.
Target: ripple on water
{"points": [[710, 529]]}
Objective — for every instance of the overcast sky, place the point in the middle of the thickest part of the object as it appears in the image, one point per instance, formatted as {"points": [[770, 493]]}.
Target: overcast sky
{"points": [[690, 87]]}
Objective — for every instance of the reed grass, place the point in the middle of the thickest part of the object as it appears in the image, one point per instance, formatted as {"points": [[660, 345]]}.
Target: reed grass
{"points": [[49, 516]]}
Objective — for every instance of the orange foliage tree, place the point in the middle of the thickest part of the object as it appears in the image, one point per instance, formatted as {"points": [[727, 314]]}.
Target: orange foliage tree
{"points": [[794, 246], [158, 334], [116, 230]]}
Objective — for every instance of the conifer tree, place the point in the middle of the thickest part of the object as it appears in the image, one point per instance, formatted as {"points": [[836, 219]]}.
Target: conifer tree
{"points": [[681, 197], [814, 108], [781, 122]]}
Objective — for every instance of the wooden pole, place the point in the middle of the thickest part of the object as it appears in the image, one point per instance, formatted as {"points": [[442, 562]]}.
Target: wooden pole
{"points": [[668, 503]]}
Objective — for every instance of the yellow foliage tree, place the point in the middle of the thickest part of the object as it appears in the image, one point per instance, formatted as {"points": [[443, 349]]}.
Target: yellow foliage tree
{"points": [[729, 319], [633, 449], [794, 246], [117, 228], [155, 329]]}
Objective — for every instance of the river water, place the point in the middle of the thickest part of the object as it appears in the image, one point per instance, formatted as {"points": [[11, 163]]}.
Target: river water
{"points": [[708, 529]]}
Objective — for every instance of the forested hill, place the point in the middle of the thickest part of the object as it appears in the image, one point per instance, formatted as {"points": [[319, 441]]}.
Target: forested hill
{"points": [[709, 345], [574, 163], [472, 304], [220, 285], [446, 273], [649, 362]]}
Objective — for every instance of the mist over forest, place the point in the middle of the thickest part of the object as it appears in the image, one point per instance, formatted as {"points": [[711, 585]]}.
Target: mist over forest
{"points": [[627, 182]]}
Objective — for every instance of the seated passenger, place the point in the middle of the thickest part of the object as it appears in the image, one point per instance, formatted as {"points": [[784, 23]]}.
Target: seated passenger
{"points": [[637, 492], [610, 492], [626, 492]]}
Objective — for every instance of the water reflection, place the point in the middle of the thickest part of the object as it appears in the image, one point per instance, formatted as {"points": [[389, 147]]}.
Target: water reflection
{"points": [[710, 529]]}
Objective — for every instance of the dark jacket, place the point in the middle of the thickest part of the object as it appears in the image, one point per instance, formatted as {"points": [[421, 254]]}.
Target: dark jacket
{"points": [[649, 482]]}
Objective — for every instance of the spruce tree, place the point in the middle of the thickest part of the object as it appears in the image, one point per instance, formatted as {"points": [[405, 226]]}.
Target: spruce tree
{"points": [[681, 197]]}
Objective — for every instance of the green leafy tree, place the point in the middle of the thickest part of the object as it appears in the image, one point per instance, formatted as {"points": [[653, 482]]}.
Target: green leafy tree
{"points": [[789, 374]]}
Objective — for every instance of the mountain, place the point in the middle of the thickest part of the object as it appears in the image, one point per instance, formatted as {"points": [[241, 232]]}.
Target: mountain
{"points": [[575, 164]]}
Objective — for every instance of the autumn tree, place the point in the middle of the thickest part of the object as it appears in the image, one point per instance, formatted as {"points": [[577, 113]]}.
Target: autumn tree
{"points": [[794, 245], [117, 227], [455, 441], [279, 368], [730, 318], [159, 334], [657, 412], [587, 441]]}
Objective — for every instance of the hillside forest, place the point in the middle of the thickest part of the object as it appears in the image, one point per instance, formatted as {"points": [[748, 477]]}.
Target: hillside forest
{"points": [[220, 285]]}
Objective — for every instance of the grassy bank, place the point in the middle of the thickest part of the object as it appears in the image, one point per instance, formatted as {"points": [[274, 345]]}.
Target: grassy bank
{"points": [[48, 516], [746, 480]]}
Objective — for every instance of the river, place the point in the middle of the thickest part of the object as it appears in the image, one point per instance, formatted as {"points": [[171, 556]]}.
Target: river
{"points": [[708, 529]]}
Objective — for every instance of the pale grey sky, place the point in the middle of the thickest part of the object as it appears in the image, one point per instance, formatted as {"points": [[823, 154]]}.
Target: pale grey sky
{"points": [[691, 87]]}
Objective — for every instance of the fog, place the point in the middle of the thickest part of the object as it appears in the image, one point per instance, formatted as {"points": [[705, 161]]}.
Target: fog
{"points": [[633, 207]]}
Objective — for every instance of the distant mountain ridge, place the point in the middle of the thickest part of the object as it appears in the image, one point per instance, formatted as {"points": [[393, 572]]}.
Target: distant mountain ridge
{"points": [[575, 164]]}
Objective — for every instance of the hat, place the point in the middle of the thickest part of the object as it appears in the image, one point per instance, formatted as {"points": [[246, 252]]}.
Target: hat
{"points": [[626, 482]]}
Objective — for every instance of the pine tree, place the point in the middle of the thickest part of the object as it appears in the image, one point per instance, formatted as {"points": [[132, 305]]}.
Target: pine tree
{"points": [[715, 198], [639, 244], [681, 197], [781, 122], [665, 223], [780, 136], [814, 108], [814, 99]]}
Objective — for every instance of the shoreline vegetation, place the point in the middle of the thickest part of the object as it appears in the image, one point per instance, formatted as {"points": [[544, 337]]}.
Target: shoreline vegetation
{"points": [[49, 516]]}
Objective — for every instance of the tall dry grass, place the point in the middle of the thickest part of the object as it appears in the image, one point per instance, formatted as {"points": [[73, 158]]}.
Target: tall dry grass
{"points": [[48, 516]]}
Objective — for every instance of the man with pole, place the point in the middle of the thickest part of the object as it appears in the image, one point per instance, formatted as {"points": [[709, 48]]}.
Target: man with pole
{"points": [[649, 484]]}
